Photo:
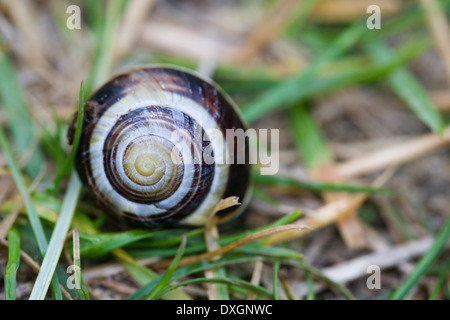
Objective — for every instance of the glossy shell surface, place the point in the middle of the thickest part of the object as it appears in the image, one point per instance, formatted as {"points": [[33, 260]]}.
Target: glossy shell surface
{"points": [[145, 143]]}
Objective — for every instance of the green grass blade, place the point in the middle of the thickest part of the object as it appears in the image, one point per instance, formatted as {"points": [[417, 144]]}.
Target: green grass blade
{"points": [[160, 248], [231, 282], [299, 17], [166, 252], [394, 215], [189, 270], [357, 75], [79, 283], [286, 219], [221, 289], [310, 283], [252, 249], [19, 118], [168, 274], [144, 275], [83, 291], [171, 237], [33, 218], [424, 263], [51, 141], [57, 240], [290, 92], [101, 244], [445, 271], [94, 10], [79, 125], [104, 55], [408, 89], [316, 272], [308, 137], [13, 264], [288, 182], [285, 92], [261, 249], [276, 269]]}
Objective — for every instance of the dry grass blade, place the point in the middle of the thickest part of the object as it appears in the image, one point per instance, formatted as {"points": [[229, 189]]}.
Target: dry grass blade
{"points": [[22, 13], [216, 291], [133, 19], [267, 29], [355, 268], [349, 10], [349, 226], [441, 99], [256, 278], [395, 255], [7, 223], [159, 35], [223, 204], [324, 216], [79, 283], [250, 238], [392, 155], [329, 213], [439, 30]]}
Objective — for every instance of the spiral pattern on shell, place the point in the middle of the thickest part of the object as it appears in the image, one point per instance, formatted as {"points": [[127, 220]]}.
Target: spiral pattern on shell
{"points": [[143, 145]]}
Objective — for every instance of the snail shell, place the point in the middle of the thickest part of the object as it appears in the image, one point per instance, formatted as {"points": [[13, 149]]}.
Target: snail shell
{"points": [[143, 144]]}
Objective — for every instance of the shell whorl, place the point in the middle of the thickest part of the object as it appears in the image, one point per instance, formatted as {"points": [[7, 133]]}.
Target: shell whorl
{"points": [[144, 140]]}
